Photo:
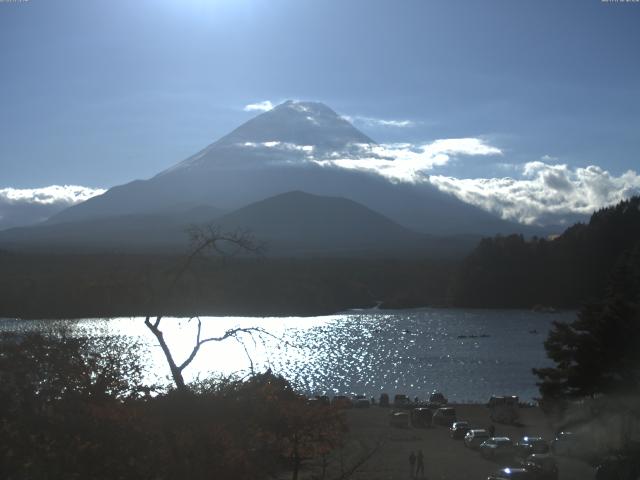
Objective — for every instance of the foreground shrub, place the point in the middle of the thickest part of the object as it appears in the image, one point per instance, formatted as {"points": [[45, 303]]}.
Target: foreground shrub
{"points": [[76, 407]]}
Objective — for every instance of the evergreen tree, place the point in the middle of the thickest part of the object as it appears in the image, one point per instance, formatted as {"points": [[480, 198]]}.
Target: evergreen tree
{"points": [[568, 271], [599, 352]]}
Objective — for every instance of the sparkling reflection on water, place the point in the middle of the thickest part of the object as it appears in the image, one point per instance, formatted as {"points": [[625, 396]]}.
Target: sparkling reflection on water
{"points": [[468, 354]]}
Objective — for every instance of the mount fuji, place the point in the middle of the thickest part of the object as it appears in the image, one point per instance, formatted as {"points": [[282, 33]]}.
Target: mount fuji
{"points": [[270, 155]]}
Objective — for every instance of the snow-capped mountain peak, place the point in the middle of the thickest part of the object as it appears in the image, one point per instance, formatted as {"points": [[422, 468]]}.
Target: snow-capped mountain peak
{"points": [[299, 123], [292, 132]]}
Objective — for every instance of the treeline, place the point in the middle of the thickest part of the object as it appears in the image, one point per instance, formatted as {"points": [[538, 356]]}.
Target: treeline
{"points": [[568, 271], [72, 286], [592, 387], [502, 272]]}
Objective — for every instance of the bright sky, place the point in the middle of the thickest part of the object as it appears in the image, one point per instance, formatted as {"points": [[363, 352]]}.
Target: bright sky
{"points": [[97, 93]]}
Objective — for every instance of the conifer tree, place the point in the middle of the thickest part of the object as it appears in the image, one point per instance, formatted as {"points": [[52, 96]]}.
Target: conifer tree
{"points": [[599, 352]]}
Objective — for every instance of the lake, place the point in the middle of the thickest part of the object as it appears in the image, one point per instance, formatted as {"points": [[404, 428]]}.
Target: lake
{"points": [[467, 354]]}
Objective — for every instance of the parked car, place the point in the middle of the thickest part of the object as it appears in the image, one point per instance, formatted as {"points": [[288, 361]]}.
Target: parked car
{"points": [[619, 467], [569, 444], [430, 405], [444, 416], [421, 417], [542, 466], [438, 397], [497, 447], [459, 429], [503, 409], [323, 399], [399, 419], [384, 400], [341, 401], [362, 402], [475, 437], [530, 445], [401, 401], [511, 473], [511, 400]]}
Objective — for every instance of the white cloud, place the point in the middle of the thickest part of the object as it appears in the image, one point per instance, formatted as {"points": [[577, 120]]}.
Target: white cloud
{"points": [[64, 194], [379, 122], [263, 106], [24, 206], [283, 146], [406, 162], [541, 192], [547, 193]]}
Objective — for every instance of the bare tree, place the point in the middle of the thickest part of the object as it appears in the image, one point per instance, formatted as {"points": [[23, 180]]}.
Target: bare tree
{"points": [[205, 239]]}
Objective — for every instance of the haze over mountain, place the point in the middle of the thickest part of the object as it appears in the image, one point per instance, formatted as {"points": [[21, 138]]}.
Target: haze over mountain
{"points": [[297, 223], [277, 152], [289, 224]]}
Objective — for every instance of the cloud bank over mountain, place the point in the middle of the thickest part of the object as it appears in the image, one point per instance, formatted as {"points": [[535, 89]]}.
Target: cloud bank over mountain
{"points": [[379, 122], [405, 162], [309, 134], [547, 193], [32, 205]]}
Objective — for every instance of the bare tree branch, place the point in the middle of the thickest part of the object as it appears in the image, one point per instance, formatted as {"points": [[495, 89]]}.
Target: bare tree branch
{"points": [[205, 238], [244, 346], [195, 350], [176, 373], [209, 237]]}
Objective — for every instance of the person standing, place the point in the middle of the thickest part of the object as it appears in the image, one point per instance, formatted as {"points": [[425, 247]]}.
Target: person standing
{"points": [[420, 464], [412, 464]]}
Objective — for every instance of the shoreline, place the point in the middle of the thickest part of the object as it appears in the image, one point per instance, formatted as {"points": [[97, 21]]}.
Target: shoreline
{"points": [[322, 313]]}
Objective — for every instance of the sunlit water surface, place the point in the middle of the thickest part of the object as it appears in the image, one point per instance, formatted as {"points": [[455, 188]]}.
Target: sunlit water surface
{"points": [[468, 354]]}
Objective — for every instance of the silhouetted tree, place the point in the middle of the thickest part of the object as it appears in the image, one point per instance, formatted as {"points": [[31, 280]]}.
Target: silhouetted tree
{"points": [[70, 408], [204, 239], [568, 271], [599, 352]]}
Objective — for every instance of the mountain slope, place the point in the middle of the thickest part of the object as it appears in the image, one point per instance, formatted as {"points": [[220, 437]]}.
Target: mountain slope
{"points": [[151, 232], [300, 222], [289, 224], [271, 154]]}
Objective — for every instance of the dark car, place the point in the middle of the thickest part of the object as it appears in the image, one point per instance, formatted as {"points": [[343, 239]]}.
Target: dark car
{"points": [[399, 419], [421, 417], [312, 402], [342, 401], [459, 429], [510, 473], [497, 447], [570, 445], [438, 397], [530, 445], [619, 468], [444, 416], [401, 401], [542, 466], [476, 437]]}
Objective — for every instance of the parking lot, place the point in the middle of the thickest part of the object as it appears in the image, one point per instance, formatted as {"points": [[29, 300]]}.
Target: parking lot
{"points": [[380, 451]]}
